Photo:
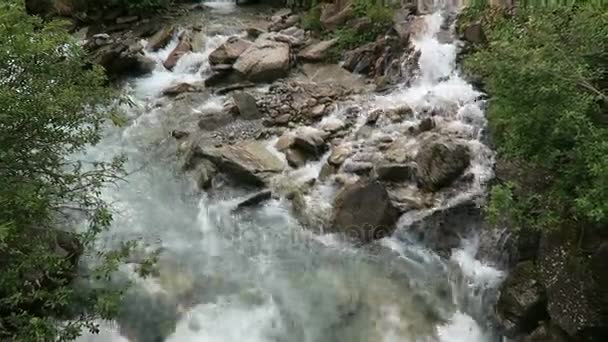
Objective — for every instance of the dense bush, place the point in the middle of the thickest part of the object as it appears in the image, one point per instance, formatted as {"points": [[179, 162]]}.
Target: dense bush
{"points": [[50, 109], [546, 69]]}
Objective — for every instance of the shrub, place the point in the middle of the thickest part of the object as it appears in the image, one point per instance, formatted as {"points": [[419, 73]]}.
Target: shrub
{"points": [[50, 109], [546, 69]]}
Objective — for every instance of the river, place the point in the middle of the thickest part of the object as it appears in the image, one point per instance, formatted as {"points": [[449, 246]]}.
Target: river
{"points": [[258, 275]]}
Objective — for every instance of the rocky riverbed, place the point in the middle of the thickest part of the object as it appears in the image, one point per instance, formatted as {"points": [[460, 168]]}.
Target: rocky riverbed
{"points": [[307, 201]]}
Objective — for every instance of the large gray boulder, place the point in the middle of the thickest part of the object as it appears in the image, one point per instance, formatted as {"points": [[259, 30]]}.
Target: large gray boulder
{"points": [[522, 302], [441, 163], [228, 52], [264, 61], [248, 162], [364, 212]]}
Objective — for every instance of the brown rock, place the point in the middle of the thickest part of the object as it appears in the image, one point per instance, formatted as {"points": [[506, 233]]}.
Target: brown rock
{"points": [[161, 38], [184, 46], [228, 52]]}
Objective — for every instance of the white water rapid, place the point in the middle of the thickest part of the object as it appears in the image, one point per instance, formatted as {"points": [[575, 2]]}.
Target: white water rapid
{"points": [[258, 276]]}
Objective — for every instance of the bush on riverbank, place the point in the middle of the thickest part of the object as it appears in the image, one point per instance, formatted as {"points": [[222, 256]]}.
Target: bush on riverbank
{"points": [[50, 104], [546, 69]]}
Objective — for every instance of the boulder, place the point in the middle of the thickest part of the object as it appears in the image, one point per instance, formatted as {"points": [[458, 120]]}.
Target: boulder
{"points": [[254, 32], [373, 116], [401, 24], [223, 78], [248, 162], [296, 158], [522, 302], [228, 52], [317, 52], [444, 229], [333, 125], [441, 163], [473, 33], [339, 154], [285, 141], [246, 105], [161, 38], [570, 268], [310, 140], [426, 124], [203, 174], [184, 46], [363, 212], [123, 58], [396, 172], [264, 61]]}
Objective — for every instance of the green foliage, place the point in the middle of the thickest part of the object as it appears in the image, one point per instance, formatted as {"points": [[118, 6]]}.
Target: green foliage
{"points": [[50, 109], [127, 6], [374, 10], [547, 72], [312, 19]]}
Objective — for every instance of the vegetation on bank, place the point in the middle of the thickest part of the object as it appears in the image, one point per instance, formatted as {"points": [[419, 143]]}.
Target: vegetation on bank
{"points": [[546, 69], [78, 7], [378, 14], [51, 108]]}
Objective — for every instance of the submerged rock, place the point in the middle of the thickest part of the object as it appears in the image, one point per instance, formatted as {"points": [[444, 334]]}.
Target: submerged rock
{"points": [[255, 199], [364, 212]]}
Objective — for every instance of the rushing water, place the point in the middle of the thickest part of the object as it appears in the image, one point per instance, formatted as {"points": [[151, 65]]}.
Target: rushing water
{"points": [[258, 275]]}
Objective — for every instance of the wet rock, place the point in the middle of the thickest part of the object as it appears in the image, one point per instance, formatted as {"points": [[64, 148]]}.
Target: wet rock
{"points": [[296, 158], [333, 125], [184, 46], [401, 24], [228, 52], [400, 113], [179, 134], [441, 163], [248, 162], [213, 121], [161, 38], [317, 52], [254, 32], [317, 111], [123, 58], [233, 87], [284, 22], [178, 89], [339, 154], [246, 105], [326, 171], [264, 61], [255, 199], [426, 124], [473, 33], [223, 78], [285, 141], [522, 302], [203, 174], [363, 212], [444, 229], [358, 167], [334, 75], [373, 116], [310, 140], [395, 172]]}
